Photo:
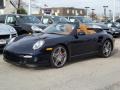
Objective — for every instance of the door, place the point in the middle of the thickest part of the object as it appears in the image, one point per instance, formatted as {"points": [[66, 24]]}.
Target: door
{"points": [[12, 21], [2, 18], [84, 44]]}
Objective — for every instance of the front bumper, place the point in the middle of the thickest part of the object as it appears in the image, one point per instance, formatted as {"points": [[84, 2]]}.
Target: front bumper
{"points": [[116, 34], [2, 46], [26, 59], [4, 39]]}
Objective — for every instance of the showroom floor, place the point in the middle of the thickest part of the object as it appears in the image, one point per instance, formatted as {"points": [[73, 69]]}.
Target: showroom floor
{"points": [[89, 74]]}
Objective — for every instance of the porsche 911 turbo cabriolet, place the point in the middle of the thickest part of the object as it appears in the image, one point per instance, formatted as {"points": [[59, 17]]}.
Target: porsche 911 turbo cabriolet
{"points": [[58, 43]]}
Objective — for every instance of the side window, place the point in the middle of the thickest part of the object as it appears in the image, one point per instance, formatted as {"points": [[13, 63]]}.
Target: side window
{"points": [[73, 20], [84, 29], [2, 18], [11, 20], [45, 20]]}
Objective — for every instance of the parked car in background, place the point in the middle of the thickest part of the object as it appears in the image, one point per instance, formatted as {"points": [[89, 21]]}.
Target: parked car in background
{"points": [[88, 21], [80, 19], [47, 20], [6, 33], [115, 27], [58, 43], [118, 20], [115, 32], [39, 17], [23, 24]]}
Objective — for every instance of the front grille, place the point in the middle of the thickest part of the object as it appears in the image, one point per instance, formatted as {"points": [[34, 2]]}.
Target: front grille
{"points": [[11, 57], [4, 36], [16, 58]]}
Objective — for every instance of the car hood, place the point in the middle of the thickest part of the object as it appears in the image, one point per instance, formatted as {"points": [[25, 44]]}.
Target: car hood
{"points": [[103, 26], [6, 29], [42, 26], [24, 44]]}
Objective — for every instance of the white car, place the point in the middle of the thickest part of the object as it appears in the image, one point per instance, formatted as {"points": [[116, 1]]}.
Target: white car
{"points": [[6, 33]]}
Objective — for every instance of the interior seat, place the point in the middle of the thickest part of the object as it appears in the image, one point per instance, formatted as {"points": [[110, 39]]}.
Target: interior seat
{"points": [[84, 28], [68, 28]]}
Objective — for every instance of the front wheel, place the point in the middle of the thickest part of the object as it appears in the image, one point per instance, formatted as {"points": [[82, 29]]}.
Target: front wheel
{"points": [[106, 49], [59, 57]]}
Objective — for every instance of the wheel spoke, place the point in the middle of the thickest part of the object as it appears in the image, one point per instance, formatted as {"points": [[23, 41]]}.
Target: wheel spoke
{"points": [[107, 48], [59, 56], [59, 49]]}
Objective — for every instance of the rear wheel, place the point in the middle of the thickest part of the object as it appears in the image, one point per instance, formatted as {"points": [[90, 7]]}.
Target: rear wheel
{"points": [[106, 49], [59, 57]]}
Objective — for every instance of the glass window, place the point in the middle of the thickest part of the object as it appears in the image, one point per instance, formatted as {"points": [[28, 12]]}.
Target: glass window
{"points": [[59, 19], [45, 20], [60, 29], [2, 18], [84, 20], [11, 20], [73, 19], [68, 11], [28, 19], [58, 11], [81, 12], [73, 11]]}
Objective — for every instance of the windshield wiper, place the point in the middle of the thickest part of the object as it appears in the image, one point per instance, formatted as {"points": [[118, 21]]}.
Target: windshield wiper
{"points": [[55, 33]]}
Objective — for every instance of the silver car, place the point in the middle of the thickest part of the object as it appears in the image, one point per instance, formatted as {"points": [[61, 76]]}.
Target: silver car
{"points": [[6, 33]]}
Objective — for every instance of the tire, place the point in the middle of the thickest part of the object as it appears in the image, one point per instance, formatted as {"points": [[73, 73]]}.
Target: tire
{"points": [[59, 56], [106, 49]]}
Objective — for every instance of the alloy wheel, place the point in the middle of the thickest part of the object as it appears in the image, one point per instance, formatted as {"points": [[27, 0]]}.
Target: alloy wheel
{"points": [[59, 56], [107, 48]]}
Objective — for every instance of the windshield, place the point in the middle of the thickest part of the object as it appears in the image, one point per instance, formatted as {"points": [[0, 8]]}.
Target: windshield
{"points": [[53, 19], [28, 19], [60, 19], [60, 28], [85, 20]]}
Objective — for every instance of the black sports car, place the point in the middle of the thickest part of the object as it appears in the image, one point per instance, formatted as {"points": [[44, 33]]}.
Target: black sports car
{"points": [[115, 27], [88, 21], [24, 24], [58, 43], [114, 31]]}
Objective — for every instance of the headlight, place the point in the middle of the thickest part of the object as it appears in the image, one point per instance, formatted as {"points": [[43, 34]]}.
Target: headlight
{"points": [[11, 40], [35, 28], [12, 30], [38, 44]]}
